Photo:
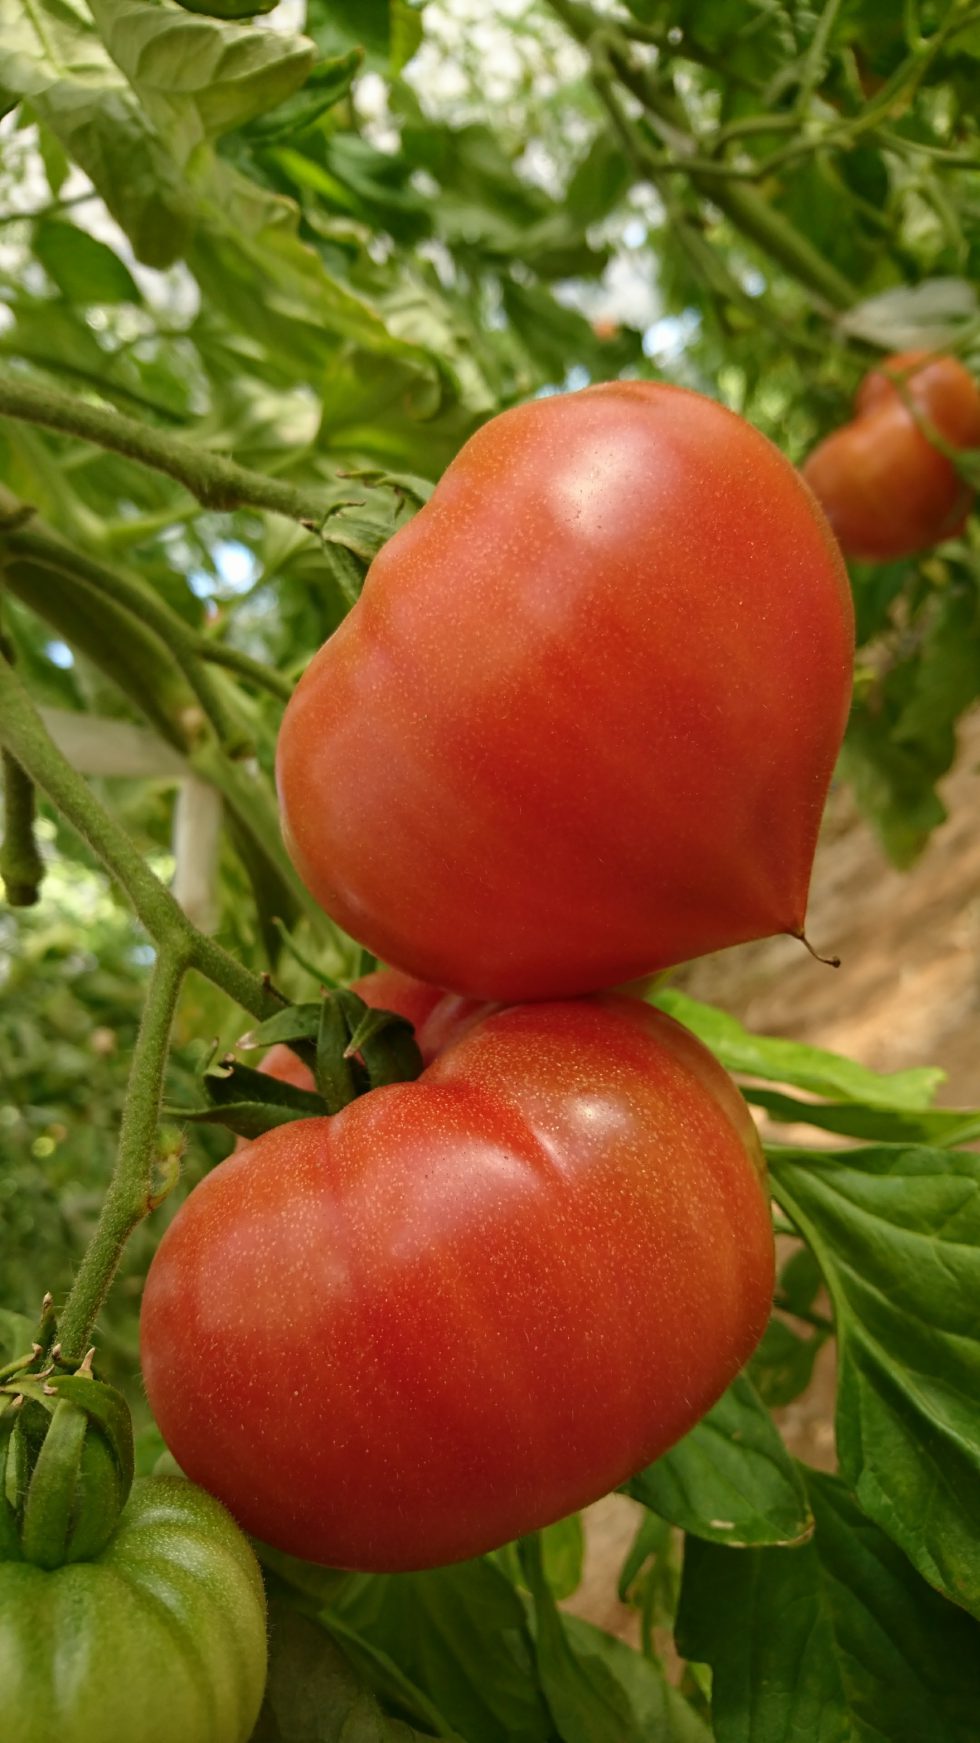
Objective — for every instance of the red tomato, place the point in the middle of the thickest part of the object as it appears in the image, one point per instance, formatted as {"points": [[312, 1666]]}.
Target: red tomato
{"points": [[885, 489], [581, 723], [465, 1306], [940, 387]]}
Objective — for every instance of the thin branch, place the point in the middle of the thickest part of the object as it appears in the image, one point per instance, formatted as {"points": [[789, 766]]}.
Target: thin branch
{"points": [[53, 554], [252, 671], [24, 735], [128, 1198], [216, 482]]}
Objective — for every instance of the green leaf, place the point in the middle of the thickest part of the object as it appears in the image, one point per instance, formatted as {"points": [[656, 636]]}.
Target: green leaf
{"points": [[810, 1068], [84, 269], [902, 739], [837, 1641], [731, 1479], [343, 24], [660, 1714], [51, 55], [17, 1333], [229, 8], [313, 1695], [941, 1127], [198, 78], [405, 32], [897, 1235], [460, 1634], [328, 84], [587, 1700], [781, 1367], [563, 1553]]}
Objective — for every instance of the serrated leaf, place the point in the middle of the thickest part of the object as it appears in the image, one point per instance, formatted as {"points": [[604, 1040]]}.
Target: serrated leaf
{"points": [[731, 1479], [837, 1641], [177, 64], [897, 1235]]}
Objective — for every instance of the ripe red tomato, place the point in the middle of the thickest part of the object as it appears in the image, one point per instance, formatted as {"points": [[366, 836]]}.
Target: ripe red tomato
{"points": [[939, 386], [467, 1305], [581, 723], [885, 489]]}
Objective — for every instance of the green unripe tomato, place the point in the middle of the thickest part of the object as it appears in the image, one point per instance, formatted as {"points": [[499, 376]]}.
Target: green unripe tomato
{"points": [[160, 1638]]}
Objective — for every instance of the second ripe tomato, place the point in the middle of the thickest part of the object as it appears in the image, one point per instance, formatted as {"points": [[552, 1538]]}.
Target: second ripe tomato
{"points": [[582, 721], [887, 491], [468, 1305]]}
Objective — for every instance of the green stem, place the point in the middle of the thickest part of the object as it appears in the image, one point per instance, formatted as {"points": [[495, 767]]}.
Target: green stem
{"points": [[23, 734], [21, 865], [253, 671], [216, 482], [744, 206], [144, 605], [128, 1198]]}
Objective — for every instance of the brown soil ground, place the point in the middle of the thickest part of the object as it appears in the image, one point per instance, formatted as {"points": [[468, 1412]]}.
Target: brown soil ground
{"points": [[907, 993]]}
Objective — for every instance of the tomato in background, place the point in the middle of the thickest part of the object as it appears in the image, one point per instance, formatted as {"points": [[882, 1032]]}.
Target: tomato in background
{"points": [[886, 490], [160, 1638], [582, 721], [465, 1306]]}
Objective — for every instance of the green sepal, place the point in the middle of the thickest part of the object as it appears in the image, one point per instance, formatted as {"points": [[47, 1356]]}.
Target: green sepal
{"points": [[10, 1549], [231, 1082], [46, 1522], [335, 1070], [387, 1045], [80, 1467], [247, 1119], [295, 1023]]}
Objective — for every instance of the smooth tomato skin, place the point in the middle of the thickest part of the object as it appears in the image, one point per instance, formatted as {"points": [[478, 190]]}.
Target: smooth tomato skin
{"points": [[160, 1639], [939, 386], [465, 1306], [885, 489], [582, 721]]}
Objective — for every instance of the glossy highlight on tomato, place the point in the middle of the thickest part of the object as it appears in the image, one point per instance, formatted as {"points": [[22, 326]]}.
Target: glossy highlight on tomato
{"points": [[582, 721], [887, 491], [465, 1306], [160, 1638]]}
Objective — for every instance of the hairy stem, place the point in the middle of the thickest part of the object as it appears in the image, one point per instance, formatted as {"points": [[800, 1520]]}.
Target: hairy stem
{"points": [[128, 1198], [216, 482], [143, 604], [24, 735]]}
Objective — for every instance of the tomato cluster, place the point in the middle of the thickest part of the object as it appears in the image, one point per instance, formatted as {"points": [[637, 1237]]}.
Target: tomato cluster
{"points": [[580, 725], [886, 488]]}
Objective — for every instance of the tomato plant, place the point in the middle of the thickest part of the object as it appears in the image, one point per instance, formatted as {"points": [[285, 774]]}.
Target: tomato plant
{"points": [[885, 487], [437, 1018], [160, 1636], [628, 766], [480, 1299]]}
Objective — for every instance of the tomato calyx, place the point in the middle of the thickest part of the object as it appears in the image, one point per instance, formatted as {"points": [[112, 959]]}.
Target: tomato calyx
{"points": [[350, 1047], [66, 1456]]}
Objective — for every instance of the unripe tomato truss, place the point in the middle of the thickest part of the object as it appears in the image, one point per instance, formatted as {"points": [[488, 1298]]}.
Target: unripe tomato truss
{"points": [[582, 721], [464, 1306], [887, 489]]}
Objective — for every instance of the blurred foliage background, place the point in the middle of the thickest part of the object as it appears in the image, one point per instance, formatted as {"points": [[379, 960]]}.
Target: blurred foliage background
{"points": [[329, 244]]}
